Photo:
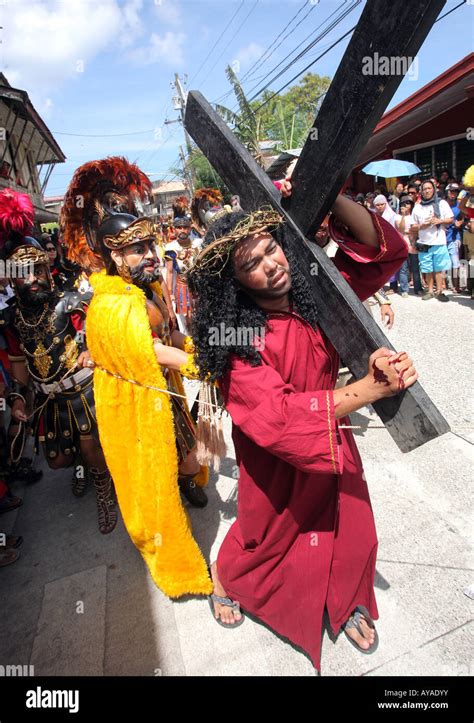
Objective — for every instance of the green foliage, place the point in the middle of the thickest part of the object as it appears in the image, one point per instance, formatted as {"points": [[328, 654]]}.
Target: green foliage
{"points": [[204, 174], [286, 117], [289, 116]]}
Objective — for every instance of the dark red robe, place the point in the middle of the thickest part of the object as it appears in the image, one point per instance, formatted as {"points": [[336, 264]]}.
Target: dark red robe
{"points": [[304, 538]]}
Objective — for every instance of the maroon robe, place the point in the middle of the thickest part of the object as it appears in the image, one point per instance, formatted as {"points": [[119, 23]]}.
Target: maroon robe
{"points": [[304, 538]]}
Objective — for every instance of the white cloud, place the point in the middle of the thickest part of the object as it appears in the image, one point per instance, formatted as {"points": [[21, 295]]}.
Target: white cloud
{"points": [[166, 48], [248, 55], [168, 12], [45, 44], [133, 22], [46, 108]]}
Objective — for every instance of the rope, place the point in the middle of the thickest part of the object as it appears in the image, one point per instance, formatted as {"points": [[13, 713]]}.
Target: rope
{"points": [[156, 389]]}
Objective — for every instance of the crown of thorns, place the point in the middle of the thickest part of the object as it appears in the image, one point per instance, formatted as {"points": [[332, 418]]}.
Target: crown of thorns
{"points": [[215, 256]]}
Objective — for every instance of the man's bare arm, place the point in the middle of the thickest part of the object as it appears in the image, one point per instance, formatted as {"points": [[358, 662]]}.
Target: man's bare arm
{"points": [[357, 219]]}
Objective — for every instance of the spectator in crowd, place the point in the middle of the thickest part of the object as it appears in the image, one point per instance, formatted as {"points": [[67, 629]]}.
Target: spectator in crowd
{"points": [[440, 188], [369, 201], [468, 244], [383, 209], [443, 179], [430, 216], [411, 265], [394, 198], [412, 191], [454, 235], [54, 262], [179, 256]]}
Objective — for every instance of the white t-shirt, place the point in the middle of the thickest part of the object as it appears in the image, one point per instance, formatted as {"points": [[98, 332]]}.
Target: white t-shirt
{"points": [[432, 235]]}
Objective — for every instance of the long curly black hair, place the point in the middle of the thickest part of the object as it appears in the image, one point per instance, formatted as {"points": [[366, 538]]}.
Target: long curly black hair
{"points": [[218, 299]]}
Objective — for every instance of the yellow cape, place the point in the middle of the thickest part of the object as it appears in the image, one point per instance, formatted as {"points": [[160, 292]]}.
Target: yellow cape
{"points": [[137, 436]]}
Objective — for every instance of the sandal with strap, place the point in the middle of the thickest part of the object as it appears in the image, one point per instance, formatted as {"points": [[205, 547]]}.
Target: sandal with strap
{"points": [[106, 506], [228, 603], [354, 622]]}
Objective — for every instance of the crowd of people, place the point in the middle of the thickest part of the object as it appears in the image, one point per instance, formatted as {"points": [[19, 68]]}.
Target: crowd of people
{"points": [[101, 323], [438, 232]]}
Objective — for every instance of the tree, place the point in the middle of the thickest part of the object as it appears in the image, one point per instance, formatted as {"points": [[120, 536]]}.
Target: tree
{"points": [[246, 123], [204, 174], [285, 117], [289, 116]]}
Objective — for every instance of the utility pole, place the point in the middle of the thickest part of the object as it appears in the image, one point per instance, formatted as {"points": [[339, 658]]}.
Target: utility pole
{"points": [[186, 170], [179, 104]]}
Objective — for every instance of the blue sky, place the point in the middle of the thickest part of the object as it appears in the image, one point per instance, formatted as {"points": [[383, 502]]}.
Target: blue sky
{"points": [[104, 68]]}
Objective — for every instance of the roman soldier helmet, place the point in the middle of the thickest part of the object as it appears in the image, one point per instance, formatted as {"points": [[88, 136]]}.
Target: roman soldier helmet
{"points": [[103, 211], [19, 250], [205, 204]]}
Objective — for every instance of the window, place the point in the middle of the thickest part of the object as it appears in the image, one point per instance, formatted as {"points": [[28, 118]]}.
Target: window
{"points": [[407, 156], [443, 158], [423, 161], [464, 156]]}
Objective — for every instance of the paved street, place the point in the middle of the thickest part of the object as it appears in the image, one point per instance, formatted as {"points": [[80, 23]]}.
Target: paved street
{"points": [[422, 502]]}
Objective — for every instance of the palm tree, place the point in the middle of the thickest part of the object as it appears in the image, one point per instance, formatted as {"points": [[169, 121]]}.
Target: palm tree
{"points": [[246, 123]]}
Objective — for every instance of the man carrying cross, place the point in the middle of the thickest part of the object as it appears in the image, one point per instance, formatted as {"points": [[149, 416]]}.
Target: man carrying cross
{"points": [[304, 539]]}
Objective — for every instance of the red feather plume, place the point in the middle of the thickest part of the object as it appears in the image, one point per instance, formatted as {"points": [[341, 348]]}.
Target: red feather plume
{"points": [[116, 172], [16, 214]]}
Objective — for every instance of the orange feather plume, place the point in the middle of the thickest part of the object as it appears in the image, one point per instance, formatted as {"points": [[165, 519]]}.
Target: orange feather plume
{"points": [[85, 196]]}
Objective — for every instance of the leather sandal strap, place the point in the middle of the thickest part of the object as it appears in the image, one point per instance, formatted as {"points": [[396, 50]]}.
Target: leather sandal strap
{"points": [[226, 601], [355, 620]]}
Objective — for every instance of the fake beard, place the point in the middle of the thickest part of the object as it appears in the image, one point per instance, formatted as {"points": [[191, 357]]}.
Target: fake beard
{"points": [[34, 298], [145, 278]]}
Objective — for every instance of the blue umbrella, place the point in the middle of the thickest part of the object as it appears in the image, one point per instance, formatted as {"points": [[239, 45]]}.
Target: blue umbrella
{"points": [[391, 168]]}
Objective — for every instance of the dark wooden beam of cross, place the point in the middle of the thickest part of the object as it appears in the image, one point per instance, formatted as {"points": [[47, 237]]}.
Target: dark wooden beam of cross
{"points": [[351, 109]]}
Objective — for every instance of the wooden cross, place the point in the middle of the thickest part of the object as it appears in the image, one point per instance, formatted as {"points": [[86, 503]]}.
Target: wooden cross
{"points": [[350, 111]]}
